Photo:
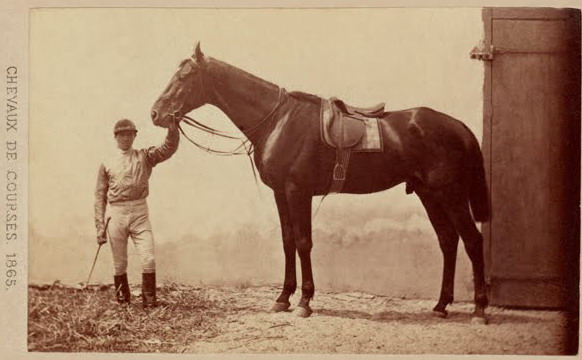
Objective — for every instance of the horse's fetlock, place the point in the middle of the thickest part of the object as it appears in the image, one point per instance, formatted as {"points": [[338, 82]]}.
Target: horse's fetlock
{"points": [[307, 291], [481, 300], [304, 302], [289, 288], [445, 300]]}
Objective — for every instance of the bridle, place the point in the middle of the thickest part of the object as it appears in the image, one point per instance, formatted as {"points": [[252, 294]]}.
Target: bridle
{"points": [[246, 147]]}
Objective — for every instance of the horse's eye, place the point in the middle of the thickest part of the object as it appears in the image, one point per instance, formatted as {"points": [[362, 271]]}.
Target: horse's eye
{"points": [[184, 71]]}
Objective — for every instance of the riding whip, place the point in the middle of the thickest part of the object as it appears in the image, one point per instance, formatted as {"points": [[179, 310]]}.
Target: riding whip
{"points": [[97, 254]]}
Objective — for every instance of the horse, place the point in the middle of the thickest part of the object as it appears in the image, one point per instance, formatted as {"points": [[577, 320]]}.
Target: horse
{"points": [[437, 156]]}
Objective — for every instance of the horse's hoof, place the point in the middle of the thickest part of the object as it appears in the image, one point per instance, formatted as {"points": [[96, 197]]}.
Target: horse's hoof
{"points": [[303, 312], [440, 313], [279, 307], [479, 320]]}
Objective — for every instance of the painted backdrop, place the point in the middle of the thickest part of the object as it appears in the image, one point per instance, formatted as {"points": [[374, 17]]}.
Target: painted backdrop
{"points": [[212, 224]]}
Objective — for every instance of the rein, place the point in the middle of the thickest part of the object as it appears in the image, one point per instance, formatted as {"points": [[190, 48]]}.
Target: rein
{"points": [[246, 147], [195, 124], [223, 134]]}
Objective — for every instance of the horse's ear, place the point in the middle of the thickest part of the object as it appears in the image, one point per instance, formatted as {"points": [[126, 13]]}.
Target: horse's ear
{"points": [[198, 53]]}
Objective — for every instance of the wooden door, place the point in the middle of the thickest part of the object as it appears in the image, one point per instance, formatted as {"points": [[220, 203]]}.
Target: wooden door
{"points": [[532, 153]]}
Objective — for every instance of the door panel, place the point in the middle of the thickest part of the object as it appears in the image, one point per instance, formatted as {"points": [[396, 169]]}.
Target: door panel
{"points": [[531, 148], [529, 35]]}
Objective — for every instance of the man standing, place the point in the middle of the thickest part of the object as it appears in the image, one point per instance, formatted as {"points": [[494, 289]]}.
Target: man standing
{"points": [[123, 183]]}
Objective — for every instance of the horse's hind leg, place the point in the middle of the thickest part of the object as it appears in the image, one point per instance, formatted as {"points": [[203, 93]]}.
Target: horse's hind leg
{"points": [[290, 282], [458, 210], [448, 241]]}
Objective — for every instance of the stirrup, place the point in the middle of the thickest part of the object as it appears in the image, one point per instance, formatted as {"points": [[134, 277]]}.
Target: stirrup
{"points": [[339, 172]]}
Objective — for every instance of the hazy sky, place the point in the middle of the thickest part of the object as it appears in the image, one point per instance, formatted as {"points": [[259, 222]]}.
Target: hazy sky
{"points": [[91, 67]]}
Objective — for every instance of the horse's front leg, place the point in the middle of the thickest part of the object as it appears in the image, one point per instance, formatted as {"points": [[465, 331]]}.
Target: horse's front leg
{"points": [[290, 283], [299, 202]]}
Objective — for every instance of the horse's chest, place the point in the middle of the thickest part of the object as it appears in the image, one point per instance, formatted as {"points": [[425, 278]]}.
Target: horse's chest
{"points": [[271, 153], [287, 152], [279, 146]]}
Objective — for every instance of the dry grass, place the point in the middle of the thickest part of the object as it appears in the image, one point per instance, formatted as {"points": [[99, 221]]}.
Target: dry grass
{"points": [[68, 319], [235, 319]]}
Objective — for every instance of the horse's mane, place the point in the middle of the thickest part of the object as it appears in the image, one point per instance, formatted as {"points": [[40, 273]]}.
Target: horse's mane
{"points": [[305, 96], [296, 94]]}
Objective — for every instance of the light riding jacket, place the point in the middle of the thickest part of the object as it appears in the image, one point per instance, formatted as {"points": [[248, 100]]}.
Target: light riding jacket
{"points": [[125, 177]]}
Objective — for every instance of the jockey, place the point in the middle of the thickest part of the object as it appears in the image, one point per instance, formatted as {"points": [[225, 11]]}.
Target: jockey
{"points": [[122, 182]]}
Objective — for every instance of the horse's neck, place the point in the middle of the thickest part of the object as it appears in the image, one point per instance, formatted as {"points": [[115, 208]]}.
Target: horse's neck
{"points": [[244, 98]]}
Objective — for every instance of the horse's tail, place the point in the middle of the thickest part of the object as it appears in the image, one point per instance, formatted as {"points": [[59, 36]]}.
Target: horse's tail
{"points": [[478, 192]]}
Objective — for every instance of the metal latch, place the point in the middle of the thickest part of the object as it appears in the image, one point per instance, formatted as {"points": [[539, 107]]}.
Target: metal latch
{"points": [[480, 53]]}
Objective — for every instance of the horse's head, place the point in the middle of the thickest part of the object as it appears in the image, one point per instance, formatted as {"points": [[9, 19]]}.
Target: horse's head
{"points": [[184, 93]]}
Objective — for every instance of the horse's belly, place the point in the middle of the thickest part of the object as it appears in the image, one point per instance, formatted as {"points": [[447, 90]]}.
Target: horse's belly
{"points": [[372, 172]]}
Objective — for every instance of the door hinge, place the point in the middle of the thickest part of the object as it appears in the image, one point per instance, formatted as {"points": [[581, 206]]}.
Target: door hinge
{"points": [[479, 52]]}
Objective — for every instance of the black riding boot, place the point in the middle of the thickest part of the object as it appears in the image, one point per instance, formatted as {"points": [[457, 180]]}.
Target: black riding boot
{"points": [[122, 293], [148, 290]]}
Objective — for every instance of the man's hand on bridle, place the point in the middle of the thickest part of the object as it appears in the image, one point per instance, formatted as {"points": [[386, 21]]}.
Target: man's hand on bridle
{"points": [[172, 125]]}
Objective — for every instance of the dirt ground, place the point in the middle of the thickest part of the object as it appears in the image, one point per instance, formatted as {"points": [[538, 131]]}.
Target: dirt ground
{"points": [[368, 324], [204, 320]]}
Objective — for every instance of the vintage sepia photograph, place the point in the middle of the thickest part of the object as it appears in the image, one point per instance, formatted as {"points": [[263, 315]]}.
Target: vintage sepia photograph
{"points": [[296, 180]]}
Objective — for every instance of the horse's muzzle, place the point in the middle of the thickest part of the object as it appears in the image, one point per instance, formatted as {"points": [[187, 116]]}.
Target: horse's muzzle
{"points": [[159, 120]]}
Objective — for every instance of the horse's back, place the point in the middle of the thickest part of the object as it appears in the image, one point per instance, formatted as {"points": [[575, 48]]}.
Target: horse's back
{"points": [[427, 126], [433, 145]]}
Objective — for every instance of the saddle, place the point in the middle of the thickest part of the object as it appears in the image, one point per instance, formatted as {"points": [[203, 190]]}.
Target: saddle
{"points": [[343, 127], [369, 112]]}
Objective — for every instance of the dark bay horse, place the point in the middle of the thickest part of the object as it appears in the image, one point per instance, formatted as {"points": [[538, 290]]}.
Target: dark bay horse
{"points": [[437, 156]]}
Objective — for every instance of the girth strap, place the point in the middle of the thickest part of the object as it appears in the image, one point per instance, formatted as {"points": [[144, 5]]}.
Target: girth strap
{"points": [[340, 169]]}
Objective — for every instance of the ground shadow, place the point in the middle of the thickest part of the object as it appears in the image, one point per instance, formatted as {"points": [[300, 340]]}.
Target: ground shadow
{"points": [[427, 317]]}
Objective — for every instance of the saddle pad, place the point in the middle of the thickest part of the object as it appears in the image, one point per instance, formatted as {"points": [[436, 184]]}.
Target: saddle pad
{"points": [[326, 119], [371, 141]]}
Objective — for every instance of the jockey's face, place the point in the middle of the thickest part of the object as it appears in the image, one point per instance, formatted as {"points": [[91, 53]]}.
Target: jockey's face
{"points": [[125, 139]]}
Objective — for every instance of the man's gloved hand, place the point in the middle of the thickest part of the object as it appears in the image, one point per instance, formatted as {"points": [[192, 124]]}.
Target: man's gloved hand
{"points": [[101, 238], [173, 125], [102, 231]]}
